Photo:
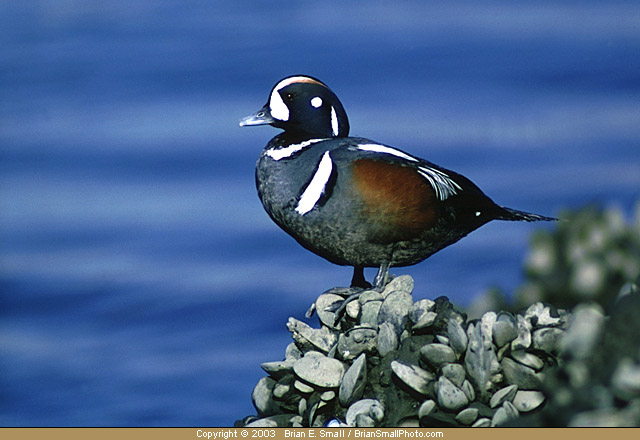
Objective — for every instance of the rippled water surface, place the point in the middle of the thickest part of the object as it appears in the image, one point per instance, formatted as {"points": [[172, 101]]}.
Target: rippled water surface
{"points": [[141, 283]]}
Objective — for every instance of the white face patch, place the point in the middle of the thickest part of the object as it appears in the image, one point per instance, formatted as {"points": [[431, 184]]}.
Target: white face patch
{"points": [[316, 187], [277, 107], [335, 128], [443, 185], [316, 102], [290, 150], [386, 150]]}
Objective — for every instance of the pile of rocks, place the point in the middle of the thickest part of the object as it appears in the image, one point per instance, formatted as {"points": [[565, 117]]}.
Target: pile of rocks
{"points": [[390, 361]]}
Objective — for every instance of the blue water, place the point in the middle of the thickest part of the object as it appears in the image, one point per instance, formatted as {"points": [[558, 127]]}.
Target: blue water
{"points": [[141, 282]]}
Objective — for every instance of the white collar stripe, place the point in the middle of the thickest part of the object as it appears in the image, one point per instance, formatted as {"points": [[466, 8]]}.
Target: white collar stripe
{"points": [[317, 185], [288, 151]]}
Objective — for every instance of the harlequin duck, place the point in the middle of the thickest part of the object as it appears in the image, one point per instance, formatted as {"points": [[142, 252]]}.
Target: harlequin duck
{"points": [[354, 201]]}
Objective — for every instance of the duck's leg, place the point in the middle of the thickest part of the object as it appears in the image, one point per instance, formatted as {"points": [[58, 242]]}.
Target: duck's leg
{"points": [[358, 279], [381, 277]]}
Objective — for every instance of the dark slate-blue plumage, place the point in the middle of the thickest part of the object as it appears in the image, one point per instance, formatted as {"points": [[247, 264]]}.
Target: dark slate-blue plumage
{"points": [[354, 201]]}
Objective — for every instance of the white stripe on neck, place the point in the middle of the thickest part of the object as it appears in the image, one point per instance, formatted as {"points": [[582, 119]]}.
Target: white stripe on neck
{"points": [[316, 187], [288, 151]]}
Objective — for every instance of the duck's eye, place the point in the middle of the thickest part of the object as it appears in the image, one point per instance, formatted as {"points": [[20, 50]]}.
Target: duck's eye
{"points": [[316, 102], [289, 96]]}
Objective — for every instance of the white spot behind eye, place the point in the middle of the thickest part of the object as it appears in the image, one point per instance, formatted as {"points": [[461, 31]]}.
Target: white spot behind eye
{"points": [[316, 102], [277, 107]]}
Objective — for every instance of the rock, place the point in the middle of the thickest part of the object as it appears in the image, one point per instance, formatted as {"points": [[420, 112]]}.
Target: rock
{"points": [[369, 312], [467, 416], [370, 295], [504, 329], [364, 407], [403, 283], [541, 315], [526, 400], [528, 359], [395, 309], [353, 309], [356, 341], [292, 352], [585, 328], [437, 355], [455, 373], [523, 340], [280, 390], [311, 339], [546, 339], [457, 336], [480, 360], [505, 394], [353, 382], [275, 421], [327, 396], [387, 339], [278, 369], [304, 388], [468, 390], [449, 396], [414, 377], [521, 375], [419, 309], [626, 379], [426, 320], [364, 421], [482, 423], [324, 303], [320, 370], [426, 408], [261, 397]]}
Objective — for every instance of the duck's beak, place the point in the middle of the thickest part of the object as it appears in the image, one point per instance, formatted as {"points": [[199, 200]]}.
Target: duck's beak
{"points": [[262, 117]]}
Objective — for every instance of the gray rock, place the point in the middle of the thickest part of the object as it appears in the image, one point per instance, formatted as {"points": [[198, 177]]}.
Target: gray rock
{"points": [[455, 373], [449, 396], [320, 370], [278, 369], [484, 422], [486, 323], [281, 420], [328, 395], [261, 397], [505, 329], [403, 283], [353, 309], [467, 416], [292, 352], [419, 308], [523, 340], [308, 338], [585, 328], [304, 388], [511, 410], [528, 359], [547, 339], [521, 375], [413, 376], [527, 400], [370, 295], [437, 354], [364, 421], [426, 408], [281, 389], [369, 313], [376, 412], [541, 315], [323, 303], [387, 339], [353, 382], [457, 336], [480, 360], [363, 407], [626, 379], [502, 395], [356, 341], [395, 309], [500, 417], [468, 390], [425, 321]]}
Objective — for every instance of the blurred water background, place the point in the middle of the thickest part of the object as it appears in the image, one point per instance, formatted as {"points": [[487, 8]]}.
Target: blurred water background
{"points": [[142, 284]]}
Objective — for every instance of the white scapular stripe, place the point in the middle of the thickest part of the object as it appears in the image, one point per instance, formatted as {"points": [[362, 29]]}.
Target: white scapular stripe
{"points": [[290, 150], [335, 128], [442, 184], [377, 148], [316, 187]]}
